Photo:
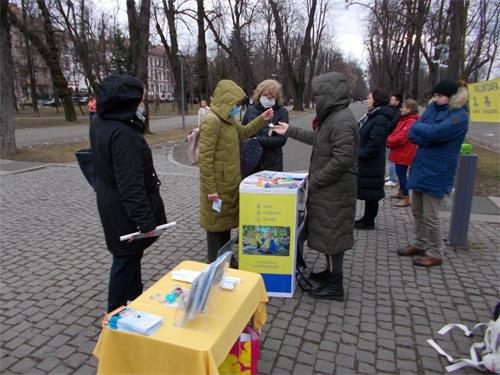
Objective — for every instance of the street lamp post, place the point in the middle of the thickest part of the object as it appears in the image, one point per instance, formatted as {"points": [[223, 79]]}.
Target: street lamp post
{"points": [[182, 94]]}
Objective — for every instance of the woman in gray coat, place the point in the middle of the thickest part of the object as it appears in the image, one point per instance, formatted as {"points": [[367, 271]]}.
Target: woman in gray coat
{"points": [[331, 201]]}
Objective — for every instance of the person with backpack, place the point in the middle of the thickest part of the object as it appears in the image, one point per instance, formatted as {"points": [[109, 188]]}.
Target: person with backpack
{"points": [[219, 163], [267, 95], [127, 186]]}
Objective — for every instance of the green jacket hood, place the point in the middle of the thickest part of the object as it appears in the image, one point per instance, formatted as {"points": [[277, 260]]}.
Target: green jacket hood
{"points": [[331, 92], [226, 95]]}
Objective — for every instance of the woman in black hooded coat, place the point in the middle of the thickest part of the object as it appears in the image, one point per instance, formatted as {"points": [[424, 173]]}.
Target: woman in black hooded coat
{"points": [[373, 132], [127, 187]]}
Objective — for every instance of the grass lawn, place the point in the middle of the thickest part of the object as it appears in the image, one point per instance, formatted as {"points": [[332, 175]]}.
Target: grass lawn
{"points": [[49, 116], [63, 153], [488, 172]]}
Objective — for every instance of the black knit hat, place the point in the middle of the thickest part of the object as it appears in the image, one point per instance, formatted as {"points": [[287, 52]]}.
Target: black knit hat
{"points": [[445, 87]]}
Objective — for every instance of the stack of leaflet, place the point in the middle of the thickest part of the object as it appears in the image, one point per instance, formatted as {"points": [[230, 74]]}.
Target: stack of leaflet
{"points": [[270, 181], [135, 321]]}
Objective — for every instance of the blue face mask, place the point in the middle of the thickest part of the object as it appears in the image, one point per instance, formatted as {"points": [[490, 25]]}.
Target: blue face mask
{"points": [[235, 111]]}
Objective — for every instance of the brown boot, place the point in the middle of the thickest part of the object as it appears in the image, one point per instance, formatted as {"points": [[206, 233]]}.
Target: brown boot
{"points": [[398, 195], [427, 261], [404, 202], [410, 250]]}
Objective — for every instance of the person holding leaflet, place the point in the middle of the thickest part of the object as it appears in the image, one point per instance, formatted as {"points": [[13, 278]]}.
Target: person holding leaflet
{"points": [[127, 187], [219, 163]]}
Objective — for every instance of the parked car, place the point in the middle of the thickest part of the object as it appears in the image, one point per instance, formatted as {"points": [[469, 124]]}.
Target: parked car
{"points": [[50, 102], [84, 99]]}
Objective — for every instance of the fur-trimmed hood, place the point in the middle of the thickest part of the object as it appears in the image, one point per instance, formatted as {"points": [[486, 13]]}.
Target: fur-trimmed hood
{"points": [[460, 99], [457, 101]]}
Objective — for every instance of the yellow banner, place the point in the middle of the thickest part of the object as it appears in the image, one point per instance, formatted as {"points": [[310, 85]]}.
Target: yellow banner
{"points": [[267, 233], [485, 101]]}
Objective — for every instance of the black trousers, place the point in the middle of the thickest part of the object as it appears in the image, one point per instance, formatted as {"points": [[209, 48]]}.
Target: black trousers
{"points": [[371, 210], [125, 281], [215, 240]]}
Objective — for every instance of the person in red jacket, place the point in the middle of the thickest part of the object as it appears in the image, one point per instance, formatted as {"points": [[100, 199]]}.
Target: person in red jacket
{"points": [[92, 107], [402, 151]]}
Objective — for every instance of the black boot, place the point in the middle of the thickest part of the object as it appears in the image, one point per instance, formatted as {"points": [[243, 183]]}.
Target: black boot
{"points": [[319, 277], [332, 289], [364, 225]]}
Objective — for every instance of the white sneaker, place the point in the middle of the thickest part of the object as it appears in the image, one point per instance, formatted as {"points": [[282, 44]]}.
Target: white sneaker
{"points": [[390, 184]]}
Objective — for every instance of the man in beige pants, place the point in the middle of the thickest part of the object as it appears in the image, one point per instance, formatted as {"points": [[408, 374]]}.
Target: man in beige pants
{"points": [[439, 135]]}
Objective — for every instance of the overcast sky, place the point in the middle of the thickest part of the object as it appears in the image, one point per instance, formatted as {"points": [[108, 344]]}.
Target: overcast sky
{"points": [[346, 23]]}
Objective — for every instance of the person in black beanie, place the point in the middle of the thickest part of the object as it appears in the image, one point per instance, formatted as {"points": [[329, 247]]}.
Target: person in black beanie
{"points": [[439, 135]]}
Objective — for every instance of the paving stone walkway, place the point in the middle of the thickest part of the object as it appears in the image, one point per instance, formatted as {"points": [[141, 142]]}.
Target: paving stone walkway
{"points": [[54, 270]]}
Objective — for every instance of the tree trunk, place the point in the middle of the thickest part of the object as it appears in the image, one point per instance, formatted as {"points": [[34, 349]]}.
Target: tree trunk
{"points": [[139, 45], [52, 60], [202, 53], [172, 50], [298, 78], [31, 73], [7, 128], [457, 28]]}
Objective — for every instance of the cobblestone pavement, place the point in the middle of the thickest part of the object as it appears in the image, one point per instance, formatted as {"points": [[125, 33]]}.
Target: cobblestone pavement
{"points": [[54, 270]]}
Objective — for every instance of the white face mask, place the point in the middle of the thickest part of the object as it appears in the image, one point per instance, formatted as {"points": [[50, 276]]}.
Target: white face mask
{"points": [[266, 102]]}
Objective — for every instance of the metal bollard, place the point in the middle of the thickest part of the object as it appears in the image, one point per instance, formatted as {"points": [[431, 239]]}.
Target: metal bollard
{"points": [[462, 200]]}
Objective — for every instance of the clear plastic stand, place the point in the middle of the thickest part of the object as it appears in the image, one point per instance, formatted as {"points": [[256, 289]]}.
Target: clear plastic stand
{"points": [[203, 292]]}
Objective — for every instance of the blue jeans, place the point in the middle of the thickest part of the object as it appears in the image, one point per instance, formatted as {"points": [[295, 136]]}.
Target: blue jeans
{"points": [[391, 168], [125, 282], [402, 171]]}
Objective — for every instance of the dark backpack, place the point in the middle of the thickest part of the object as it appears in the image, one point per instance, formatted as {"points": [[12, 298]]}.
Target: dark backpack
{"points": [[250, 154]]}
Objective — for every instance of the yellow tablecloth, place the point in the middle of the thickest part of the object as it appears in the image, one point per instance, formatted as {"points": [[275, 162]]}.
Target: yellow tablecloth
{"points": [[199, 347]]}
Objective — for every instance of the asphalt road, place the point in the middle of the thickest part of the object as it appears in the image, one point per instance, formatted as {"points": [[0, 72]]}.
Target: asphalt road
{"points": [[62, 134], [487, 134]]}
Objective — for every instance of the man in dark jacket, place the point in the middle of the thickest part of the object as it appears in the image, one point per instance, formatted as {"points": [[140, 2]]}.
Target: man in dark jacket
{"points": [[395, 102], [439, 135], [127, 186]]}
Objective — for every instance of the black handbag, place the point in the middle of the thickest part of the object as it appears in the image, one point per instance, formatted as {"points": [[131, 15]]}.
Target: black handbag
{"points": [[87, 165]]}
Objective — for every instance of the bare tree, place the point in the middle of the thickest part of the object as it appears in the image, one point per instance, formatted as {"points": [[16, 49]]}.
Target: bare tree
{"points": [[48, 49], [76, 24], [241, 13], [317, 32], [29, 60], [7, 128], [458, 16], [171, 47], [482, 38], [298, 75]]}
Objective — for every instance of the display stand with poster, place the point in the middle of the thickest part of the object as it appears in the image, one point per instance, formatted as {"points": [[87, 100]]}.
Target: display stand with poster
{"points": [[272, 215]]}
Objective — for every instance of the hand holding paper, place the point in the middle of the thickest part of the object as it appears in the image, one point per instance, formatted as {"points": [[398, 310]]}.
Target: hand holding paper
{"points": [[154, 233], [217, 205], [280, 128]]}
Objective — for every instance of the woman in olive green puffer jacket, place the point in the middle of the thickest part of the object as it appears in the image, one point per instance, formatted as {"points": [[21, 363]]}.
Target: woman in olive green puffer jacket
{"points": [[219, 162]]}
